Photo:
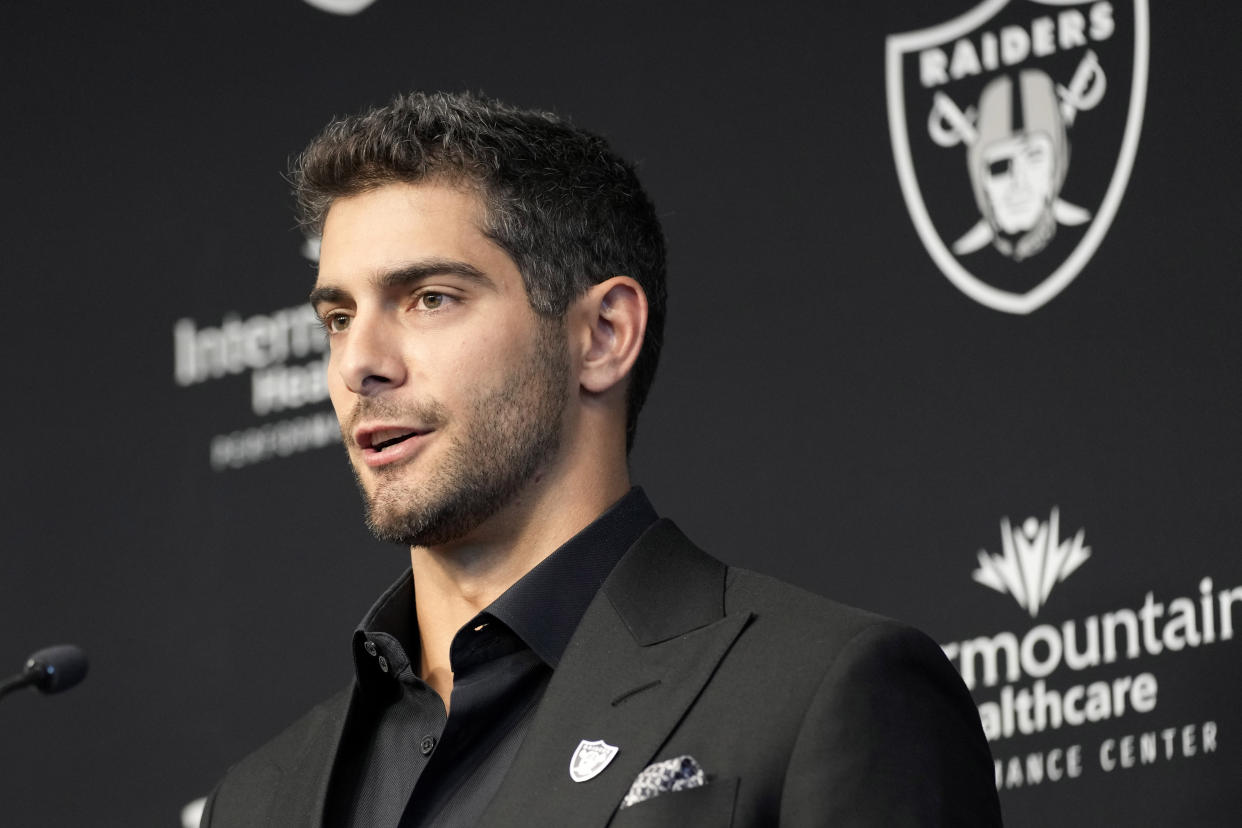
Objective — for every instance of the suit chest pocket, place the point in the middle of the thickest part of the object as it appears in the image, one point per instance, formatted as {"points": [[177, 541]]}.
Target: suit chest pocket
{"points": [[710, 806]]}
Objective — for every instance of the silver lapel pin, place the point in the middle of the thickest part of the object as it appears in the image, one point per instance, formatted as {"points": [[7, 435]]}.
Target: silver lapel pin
{"points": [[589, 759]]}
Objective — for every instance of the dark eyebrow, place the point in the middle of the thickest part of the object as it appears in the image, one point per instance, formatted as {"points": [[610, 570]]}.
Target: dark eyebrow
{"points": [[432, 267], [404, 275], [327, 294]]}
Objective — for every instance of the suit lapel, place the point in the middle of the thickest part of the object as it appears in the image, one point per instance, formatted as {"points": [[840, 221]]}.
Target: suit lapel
{"points": [[304, 784], [643, 651]]}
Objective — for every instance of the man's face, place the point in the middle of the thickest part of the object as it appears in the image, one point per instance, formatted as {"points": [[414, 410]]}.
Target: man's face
{"points": [[450, 390], [1018, 179]]}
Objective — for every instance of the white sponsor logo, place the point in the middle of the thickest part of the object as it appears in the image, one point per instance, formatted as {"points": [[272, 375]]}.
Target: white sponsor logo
{"points": [[1028, 682], [285, 355], [1033, 560], [1009, 82]]}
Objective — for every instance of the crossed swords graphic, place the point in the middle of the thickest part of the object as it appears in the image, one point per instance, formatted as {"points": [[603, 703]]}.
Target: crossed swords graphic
{"points": [[948, 126]]}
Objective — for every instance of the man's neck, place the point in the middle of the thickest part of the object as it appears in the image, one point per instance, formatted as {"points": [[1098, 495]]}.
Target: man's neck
{"points": [[455, 581]]}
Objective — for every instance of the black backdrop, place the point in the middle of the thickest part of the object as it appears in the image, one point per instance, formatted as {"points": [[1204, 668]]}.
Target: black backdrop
{"points": [[831, 409]]}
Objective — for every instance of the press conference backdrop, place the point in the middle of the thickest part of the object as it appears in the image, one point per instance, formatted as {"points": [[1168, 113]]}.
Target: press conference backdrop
{"points": [[953, 336]]}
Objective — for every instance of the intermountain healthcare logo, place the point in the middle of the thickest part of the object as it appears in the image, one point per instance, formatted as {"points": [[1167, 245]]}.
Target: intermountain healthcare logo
{"points": [[285, 355], [1033, 561], [1074, 677], [983, 112]]}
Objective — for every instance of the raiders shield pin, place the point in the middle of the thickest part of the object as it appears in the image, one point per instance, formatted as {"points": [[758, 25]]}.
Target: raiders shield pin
{"points": [[589, 759]]}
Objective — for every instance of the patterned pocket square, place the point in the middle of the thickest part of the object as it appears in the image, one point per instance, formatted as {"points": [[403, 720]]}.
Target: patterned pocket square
{"points": [[678, 774]]}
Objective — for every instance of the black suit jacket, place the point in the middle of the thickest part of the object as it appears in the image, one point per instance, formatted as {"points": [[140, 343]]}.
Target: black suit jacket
{"points": [[800, 710]]}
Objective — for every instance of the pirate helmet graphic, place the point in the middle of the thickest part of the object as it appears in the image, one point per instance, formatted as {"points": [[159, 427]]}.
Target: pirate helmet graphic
{"points": [[1018, 164]]}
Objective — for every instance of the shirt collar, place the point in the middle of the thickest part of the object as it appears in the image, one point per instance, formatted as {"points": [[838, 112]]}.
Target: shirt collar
{"points": [[546, 604], [388, 630], [543, 608]]}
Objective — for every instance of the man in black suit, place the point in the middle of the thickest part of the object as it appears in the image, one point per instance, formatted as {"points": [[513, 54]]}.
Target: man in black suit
{"points": [[492, 284]]}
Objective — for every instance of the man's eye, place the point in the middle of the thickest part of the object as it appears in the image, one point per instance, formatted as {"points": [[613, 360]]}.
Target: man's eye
{"points": [[432, 301], [335, 322]]}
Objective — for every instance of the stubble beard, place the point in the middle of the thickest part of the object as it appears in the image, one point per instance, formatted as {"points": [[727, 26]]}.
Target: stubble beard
{"points": [[499, 444]]}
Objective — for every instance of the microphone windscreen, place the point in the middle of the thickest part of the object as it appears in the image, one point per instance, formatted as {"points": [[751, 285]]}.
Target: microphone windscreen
{"points": [[59, 667]]}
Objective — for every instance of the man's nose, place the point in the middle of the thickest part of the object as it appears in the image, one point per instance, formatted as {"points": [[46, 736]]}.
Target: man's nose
{"points": [[369, 356]]}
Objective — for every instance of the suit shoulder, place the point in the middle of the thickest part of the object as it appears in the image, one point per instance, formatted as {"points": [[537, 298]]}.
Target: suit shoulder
{"points": [[878, 707], [827, 637], [787, 623], [785, 604]]}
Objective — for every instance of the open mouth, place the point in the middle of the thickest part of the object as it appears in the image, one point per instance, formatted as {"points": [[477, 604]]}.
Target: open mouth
{"points": [[392, 442], [378, 441]]}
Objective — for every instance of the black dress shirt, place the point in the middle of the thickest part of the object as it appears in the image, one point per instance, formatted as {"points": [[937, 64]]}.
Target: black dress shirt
{"points": [[404, 762]]}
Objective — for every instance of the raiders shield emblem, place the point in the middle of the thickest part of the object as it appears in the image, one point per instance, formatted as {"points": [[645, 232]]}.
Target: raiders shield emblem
{"points": [[1014, 130], [589, 759]]}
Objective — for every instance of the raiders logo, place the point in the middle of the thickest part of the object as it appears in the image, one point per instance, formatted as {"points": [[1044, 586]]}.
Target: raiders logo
{"points": [[1014, 130], [590, 758]]}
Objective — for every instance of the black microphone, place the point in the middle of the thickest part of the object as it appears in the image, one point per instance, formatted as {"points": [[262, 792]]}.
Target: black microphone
{"points": [[52, 670]]}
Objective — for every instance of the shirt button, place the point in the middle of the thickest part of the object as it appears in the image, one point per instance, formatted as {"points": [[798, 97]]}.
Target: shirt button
{"points": [[428, 745], [369, 647], [383, 663]]}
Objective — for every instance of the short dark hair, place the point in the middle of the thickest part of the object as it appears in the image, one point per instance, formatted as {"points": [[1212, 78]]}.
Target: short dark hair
{"points": [[559, 201]]}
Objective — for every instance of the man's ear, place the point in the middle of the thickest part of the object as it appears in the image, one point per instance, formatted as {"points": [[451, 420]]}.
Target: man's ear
{"points": [[612, 321]]}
